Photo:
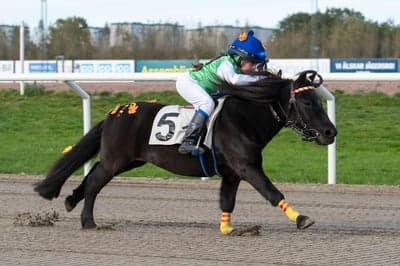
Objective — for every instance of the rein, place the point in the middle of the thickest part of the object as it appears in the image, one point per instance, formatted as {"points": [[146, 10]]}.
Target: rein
{"points": [[298, 125]]}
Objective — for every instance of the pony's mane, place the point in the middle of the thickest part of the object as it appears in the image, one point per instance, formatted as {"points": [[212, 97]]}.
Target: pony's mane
{"points": [[266, 90]]}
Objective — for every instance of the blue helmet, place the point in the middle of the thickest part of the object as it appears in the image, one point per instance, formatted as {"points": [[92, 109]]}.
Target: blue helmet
{"points": [[248, 47]]}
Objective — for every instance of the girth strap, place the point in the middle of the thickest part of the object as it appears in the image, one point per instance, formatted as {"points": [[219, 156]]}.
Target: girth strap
{"points": [[200, 157]]}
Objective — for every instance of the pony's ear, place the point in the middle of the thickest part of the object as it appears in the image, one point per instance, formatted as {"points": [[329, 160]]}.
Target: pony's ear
{"points": [[316, 79], [309, 78], [279, 73]]}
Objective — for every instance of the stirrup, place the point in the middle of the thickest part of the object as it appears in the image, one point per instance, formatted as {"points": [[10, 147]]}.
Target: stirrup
{"points": [[186, 147], [185, 150], [197, 150], [193, 149]]}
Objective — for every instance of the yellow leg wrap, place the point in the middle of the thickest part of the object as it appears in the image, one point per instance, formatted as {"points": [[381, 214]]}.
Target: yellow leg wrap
{"points": [[291, 213], [225, 226]]}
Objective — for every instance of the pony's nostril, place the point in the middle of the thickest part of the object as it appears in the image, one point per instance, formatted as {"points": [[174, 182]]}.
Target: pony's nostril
{"points": [[330, 133]]}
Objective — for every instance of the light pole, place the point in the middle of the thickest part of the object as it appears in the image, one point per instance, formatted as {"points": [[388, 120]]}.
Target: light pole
{"points": [[43, 27], [22, 55], [314, 43]]}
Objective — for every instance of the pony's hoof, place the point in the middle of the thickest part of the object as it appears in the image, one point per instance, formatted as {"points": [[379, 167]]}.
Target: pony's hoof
{"points": [[69, 205], [304, 222], [89, 225]]}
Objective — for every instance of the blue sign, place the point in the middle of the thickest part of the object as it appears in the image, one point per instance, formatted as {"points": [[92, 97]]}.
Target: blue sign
{"points": [[42, 67], [365, 65], [85, 68], [123, 68], [104, 68], [147, 66]]}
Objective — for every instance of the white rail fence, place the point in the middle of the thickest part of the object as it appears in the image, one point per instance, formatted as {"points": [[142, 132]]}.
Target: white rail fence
{"points": [[72, 78], [331, 106]]}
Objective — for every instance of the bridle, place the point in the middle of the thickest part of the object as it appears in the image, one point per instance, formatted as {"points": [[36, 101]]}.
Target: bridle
{"points": [[298, 124]]}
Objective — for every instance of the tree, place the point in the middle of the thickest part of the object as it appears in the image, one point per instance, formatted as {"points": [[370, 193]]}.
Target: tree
{"points": [[9, 44], [125, 46], [341, 33], [70, 37], [3, 45], [292, 38], [396, 43]]}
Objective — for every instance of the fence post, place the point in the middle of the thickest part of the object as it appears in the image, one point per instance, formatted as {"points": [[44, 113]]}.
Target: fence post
{"points": [[330, 100], [86, 114], [22, 55]]}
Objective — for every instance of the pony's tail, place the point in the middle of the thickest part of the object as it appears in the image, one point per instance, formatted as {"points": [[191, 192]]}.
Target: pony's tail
{"points": [[82, 152]]}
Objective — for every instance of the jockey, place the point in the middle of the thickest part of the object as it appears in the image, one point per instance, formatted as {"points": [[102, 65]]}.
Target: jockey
{"points": [[245, 55]]}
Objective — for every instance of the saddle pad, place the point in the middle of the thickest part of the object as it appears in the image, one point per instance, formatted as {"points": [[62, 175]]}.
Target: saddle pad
{"points": [[171, 121], [169, 125]]}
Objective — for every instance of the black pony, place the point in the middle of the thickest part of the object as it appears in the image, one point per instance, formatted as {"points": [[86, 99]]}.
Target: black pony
{"points": [[250, 118]]}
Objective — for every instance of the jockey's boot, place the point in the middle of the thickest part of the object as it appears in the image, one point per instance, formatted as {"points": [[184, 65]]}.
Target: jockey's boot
{"points": [[192, 133]]}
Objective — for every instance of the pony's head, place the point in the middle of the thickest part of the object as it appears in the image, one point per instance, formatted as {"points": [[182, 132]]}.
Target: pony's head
{"points": [[295, 104], [306, 113]]}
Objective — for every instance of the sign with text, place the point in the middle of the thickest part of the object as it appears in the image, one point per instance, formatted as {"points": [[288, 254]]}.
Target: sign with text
{"points": [[365, 65], [6, 67], [165, 66], [104, 66], [42, 67]]}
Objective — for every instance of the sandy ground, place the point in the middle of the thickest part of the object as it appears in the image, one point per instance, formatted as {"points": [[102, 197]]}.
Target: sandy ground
{"points": [[156, 221]]}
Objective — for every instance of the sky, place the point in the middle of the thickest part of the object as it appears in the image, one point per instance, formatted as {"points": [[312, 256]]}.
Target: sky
{"points": [[189, 13]]}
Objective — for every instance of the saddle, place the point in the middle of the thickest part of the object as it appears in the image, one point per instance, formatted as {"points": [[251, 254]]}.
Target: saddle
{"points": [[171, 121]]}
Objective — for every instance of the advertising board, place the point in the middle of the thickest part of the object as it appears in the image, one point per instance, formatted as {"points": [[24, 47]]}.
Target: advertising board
{"points": [[165, 66], [378, 65], [104, 66]]}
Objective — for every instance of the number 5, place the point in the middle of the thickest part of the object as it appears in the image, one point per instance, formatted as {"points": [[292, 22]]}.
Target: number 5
{"points": [[171, 126]]}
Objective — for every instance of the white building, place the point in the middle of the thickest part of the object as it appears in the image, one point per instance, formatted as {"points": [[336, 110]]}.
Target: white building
{"points": [[96, 35], [139, 32], [6, 32]]}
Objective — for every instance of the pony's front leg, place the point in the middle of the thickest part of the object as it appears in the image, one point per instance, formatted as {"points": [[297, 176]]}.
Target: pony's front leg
{"points": [[227, 203], [262, 184], [302, 221]]}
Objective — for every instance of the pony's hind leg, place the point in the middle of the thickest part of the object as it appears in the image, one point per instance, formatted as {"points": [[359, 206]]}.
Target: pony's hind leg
{"points": [[95, 181], [78, 193]]}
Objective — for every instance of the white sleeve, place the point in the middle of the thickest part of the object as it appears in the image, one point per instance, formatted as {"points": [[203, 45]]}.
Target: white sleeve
{"points": [[226, 72]]}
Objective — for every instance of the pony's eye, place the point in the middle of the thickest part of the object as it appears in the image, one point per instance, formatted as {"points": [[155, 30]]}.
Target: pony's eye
{"points": [[307, 103]]}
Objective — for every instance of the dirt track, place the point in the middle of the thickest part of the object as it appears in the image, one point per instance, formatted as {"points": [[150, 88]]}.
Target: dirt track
{"points": [[154, 222]]}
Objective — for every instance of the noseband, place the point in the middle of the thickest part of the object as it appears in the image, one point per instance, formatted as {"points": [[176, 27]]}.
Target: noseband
{"points": [[298, 124]]}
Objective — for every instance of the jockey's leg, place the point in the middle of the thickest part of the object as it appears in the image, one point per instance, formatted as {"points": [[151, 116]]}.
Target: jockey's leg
{"points": [[193, 93], [193, 132]]}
